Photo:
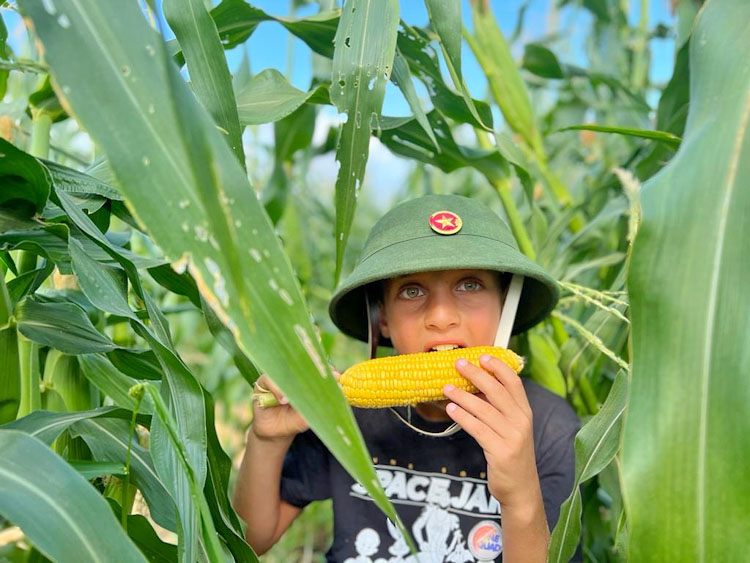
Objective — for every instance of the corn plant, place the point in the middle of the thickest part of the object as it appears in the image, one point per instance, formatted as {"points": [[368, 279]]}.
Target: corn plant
{"points": [[120, 270]]}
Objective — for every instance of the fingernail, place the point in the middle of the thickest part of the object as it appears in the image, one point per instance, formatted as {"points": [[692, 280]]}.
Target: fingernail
{"points": [[450, 407], [283, 401], [462, 362], [484, 358], [448, 388]]}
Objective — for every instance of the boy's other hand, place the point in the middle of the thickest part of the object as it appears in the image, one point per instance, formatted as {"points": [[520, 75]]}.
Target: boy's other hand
{"points": [[280, 422], [500, 420]]}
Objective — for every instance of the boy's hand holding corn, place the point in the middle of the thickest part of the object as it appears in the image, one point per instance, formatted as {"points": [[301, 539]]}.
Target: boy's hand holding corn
{"points": [[500, 420], [279, 422]]}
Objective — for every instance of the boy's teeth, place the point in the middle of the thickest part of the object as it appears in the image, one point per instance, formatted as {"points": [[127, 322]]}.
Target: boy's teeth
{"points": [[442, 347]]}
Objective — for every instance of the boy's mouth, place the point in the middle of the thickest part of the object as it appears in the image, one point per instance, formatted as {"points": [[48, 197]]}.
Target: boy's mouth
{"points": [[442, 347]]}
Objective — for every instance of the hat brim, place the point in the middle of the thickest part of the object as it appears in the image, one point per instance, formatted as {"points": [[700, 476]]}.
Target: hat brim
{"points": [[348, 308]]}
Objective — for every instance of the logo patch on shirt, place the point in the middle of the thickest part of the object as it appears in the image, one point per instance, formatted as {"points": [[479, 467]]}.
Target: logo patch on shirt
{"points": [[486, 540], [445, 222]]}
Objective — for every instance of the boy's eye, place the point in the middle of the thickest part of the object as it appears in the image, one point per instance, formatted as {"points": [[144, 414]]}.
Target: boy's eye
{"points": [[470, 285], [411, 292]]}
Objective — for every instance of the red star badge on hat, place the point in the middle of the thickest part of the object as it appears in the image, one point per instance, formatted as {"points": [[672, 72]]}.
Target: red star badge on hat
{"points": [[445, 222]]}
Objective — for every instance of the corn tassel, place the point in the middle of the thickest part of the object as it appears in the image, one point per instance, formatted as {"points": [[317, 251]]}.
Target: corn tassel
{"points": [[410, 378]]}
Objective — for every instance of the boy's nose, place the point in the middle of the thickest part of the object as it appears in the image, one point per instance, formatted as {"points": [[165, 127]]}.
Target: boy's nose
{"points": [[441, 314]]}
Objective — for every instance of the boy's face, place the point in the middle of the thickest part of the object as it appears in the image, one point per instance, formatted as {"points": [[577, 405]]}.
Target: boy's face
{"points": [[424, 310]]}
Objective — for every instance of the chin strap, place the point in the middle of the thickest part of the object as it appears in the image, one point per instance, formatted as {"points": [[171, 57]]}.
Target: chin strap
{"points": [[502, 337], [508, 314]]}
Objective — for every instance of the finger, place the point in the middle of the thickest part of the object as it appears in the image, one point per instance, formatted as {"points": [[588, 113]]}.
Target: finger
{"points": [[483, 434], [478, 407], [336, 373], [494, 390], [509, 378], [264, 382]]}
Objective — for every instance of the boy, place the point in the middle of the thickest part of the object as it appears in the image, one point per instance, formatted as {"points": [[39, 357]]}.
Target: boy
{"points": [[433, 275]]}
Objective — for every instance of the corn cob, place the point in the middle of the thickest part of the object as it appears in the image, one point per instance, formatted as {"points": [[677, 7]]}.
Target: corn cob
{"points": [[414, 378], [407, 379]]}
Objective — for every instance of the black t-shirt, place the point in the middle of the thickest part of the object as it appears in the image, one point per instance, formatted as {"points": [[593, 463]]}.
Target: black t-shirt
{"points": [[437, 484]]}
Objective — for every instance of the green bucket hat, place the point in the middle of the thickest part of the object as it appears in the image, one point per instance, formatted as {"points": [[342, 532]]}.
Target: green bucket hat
{"points": [[440, 232]]}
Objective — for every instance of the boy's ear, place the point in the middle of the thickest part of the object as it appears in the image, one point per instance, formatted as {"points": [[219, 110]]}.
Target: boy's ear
{"points": [[383, 322]]}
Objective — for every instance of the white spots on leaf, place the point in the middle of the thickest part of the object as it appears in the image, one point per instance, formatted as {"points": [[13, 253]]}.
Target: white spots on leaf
{"points": [[63, 21], [285, 297], [146, 161], [341, 235], [49, 7], [150, 50], [220, 286], [343, 435], [213, 241], [311, 350], [266, 253], [201, 233], [182, 264], [125, 69], [273, 285], [255, 254], [183, 203], [185, 227], [255, 231], [66, 89], [151, 109], [237, 223]]}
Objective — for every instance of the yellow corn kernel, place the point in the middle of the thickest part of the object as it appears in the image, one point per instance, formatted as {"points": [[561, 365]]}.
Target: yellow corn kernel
{"points": [[414, 378]]}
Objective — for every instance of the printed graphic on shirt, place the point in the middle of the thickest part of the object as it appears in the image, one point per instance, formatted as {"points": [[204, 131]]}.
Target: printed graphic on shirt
{"points": [[486, 540], [445, 501]]}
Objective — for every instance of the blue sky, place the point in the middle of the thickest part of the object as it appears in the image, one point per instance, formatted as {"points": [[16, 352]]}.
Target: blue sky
{"points": [[572, 20], [269, 47]]}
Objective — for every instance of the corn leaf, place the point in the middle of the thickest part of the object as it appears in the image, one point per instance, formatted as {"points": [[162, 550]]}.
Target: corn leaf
{"points": [[144, 536], [63, 326], [414, 44], [109, 380], [684, 448], [138, 364], [409, 139], [80, 522], [103, 52], [362, 63], [108, 438], [93, 469], [445, 18], [596, 444], [508, 89], [22, 177], [46, 425], [236, 20], [10, 376], [72, 181], [217, 486], [401, 77], [207, 65], [268, 97], [99, 285], [672, 141]]}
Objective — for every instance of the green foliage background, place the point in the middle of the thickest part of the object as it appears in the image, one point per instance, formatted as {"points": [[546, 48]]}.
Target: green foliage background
{"points": [[149, 280]]}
